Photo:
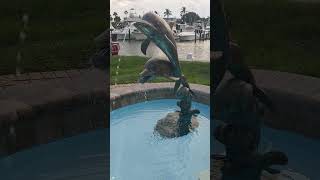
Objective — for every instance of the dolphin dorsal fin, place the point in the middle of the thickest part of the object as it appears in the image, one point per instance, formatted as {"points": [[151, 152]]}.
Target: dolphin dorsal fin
{"points": [[144, 46]]}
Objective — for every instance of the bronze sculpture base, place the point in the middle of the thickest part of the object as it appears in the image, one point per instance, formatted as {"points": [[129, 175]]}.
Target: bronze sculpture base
{"points": [[171, 126]]}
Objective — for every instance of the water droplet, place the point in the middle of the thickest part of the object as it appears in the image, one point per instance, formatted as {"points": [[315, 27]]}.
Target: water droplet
{"points": [[23, 35], [18, 56], [25, 18], [145, 96], [12, 130]]}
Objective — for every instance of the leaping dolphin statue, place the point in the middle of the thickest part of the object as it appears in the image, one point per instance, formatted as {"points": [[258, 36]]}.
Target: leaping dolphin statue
{"points": [[159, 32], [161, 26]]}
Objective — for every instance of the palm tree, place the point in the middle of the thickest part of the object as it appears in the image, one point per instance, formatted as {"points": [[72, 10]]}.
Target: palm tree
{"points": [[115, 14], [167, 13], [126, 12], [183, 12]]}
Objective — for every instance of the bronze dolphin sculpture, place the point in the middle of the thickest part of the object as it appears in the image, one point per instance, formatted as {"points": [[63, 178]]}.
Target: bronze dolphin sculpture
{"points": [[157, 67], [162, 67], [162, 27], [158, 31]]}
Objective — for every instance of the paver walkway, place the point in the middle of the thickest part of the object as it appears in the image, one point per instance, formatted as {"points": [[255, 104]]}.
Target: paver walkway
{"points": [[28, 92]]}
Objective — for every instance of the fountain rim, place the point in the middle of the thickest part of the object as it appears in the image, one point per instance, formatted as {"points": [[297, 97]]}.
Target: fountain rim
{"points": [[127, 94], [297, 111]]}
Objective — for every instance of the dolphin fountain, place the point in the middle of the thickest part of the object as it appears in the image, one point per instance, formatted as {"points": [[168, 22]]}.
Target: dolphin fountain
{"points": [[158, 31]]}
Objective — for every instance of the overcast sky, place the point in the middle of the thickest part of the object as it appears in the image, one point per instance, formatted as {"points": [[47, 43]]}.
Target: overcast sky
{"points": [[201, 7]]}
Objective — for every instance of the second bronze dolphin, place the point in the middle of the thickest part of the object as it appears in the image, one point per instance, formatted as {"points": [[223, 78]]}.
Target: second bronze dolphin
{"points": [[157, 67]]}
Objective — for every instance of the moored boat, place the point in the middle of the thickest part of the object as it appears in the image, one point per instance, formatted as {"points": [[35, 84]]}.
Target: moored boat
{"points": [[187, 36], [137, 35]]}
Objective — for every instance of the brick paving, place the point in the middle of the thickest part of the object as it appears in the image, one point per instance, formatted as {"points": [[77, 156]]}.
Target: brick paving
{"points": [[27, 92]]}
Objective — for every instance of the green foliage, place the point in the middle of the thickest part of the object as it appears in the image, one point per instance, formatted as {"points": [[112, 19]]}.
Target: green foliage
{"points": [[190, 17], [183, 12], [167, 13], [117, 21]]}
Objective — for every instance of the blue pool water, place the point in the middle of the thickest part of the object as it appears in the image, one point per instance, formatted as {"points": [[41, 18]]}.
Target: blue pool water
{"points": [[136, 153], [82, 157]]}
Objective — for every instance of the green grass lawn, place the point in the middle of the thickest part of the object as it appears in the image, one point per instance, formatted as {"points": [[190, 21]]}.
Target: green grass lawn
{"points": [[131, 66]]}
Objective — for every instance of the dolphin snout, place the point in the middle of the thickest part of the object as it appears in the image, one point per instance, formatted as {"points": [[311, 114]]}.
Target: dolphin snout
{"points": [[145, 76]]}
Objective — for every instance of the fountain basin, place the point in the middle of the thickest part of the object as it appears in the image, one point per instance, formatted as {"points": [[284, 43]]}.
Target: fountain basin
{"points": [[136, 152], [71, 116], [300, 148], [39, 108]]}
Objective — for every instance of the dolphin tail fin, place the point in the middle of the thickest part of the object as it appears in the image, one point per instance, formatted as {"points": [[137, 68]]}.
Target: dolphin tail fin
{"points": [[177, 85], [144, 46], [261, 95], [172, 78], [193, 94]]}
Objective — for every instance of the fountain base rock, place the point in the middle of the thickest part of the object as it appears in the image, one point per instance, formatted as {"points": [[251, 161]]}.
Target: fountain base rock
{"points": [[176, 125]]}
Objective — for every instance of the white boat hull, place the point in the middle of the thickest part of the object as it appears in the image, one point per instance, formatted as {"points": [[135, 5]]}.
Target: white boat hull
{"points": [[139, 36], [122, 36], [186, 37]]}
